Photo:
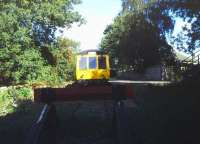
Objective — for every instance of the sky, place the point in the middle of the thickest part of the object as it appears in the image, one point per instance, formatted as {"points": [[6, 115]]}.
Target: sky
{"points": [[178, 28], [98, 14]]}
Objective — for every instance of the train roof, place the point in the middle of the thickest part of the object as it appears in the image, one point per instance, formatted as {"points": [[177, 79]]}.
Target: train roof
{"points": [[91, 50]]}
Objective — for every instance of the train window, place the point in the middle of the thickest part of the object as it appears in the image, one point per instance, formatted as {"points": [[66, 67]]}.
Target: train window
{"points": [[102, 62], [83, 63], [92, 63]]}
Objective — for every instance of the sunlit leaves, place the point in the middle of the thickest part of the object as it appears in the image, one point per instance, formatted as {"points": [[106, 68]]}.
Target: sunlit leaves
{"points": [[28, 45]]}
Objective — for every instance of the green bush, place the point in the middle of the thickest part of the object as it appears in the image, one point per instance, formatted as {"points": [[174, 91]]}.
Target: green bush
{"points": [[12, 97]]}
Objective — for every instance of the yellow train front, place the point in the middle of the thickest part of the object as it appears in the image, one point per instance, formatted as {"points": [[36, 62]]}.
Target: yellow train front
{"points": [[92, 66], [93, 73]]}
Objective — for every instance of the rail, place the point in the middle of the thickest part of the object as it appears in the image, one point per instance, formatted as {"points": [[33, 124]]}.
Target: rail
{"points": [[45, 126], [40, 132], [122, 134]]}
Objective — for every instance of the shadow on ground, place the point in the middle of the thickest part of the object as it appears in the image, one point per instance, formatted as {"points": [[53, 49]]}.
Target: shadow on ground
{"points": [[167, 115], [160, 115], [15, 126], [85, 122]]}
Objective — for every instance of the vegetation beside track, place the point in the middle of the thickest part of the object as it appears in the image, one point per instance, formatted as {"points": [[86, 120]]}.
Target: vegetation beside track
{"points": [[15, 125], [12, 98]]}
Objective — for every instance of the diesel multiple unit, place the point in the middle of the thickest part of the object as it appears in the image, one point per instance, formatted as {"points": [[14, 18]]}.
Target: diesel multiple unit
{"points": [[92, 65]]}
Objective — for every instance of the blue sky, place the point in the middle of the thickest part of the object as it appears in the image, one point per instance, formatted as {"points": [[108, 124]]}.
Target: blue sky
{"points": [[98, 14]]}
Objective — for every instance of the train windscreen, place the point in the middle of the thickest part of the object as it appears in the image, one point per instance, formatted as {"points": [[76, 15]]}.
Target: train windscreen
{"points": [[92, 63], [102, 62], [83, 63]]}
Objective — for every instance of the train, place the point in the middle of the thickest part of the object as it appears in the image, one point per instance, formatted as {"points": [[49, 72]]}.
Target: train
{"points": [[92, 66], [92, 82]]}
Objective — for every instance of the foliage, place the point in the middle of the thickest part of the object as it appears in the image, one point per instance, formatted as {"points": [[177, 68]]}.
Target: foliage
{"points": [[11, 97], [135, 42], [28, 45], [162, 14], [65, 58], [138, 35]]}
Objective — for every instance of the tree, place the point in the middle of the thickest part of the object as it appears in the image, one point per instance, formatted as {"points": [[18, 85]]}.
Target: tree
{"points": [[65, 58], [138, 35], [135, 42], [27, 38], [162, 14]]}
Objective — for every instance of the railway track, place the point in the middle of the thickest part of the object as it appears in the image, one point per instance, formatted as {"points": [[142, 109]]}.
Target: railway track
{"points": [[45, 128]]}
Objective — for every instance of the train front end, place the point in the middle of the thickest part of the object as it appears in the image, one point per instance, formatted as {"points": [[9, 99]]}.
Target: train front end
{"points": [[92, 66]]}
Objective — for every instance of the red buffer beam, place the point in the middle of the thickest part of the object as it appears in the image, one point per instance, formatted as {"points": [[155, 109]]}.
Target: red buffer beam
{"points": [[87, 93]]}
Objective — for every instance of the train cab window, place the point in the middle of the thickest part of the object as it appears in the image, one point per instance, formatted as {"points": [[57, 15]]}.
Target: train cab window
{"points": [[83, 63], [102, 62], [92, 63]]}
